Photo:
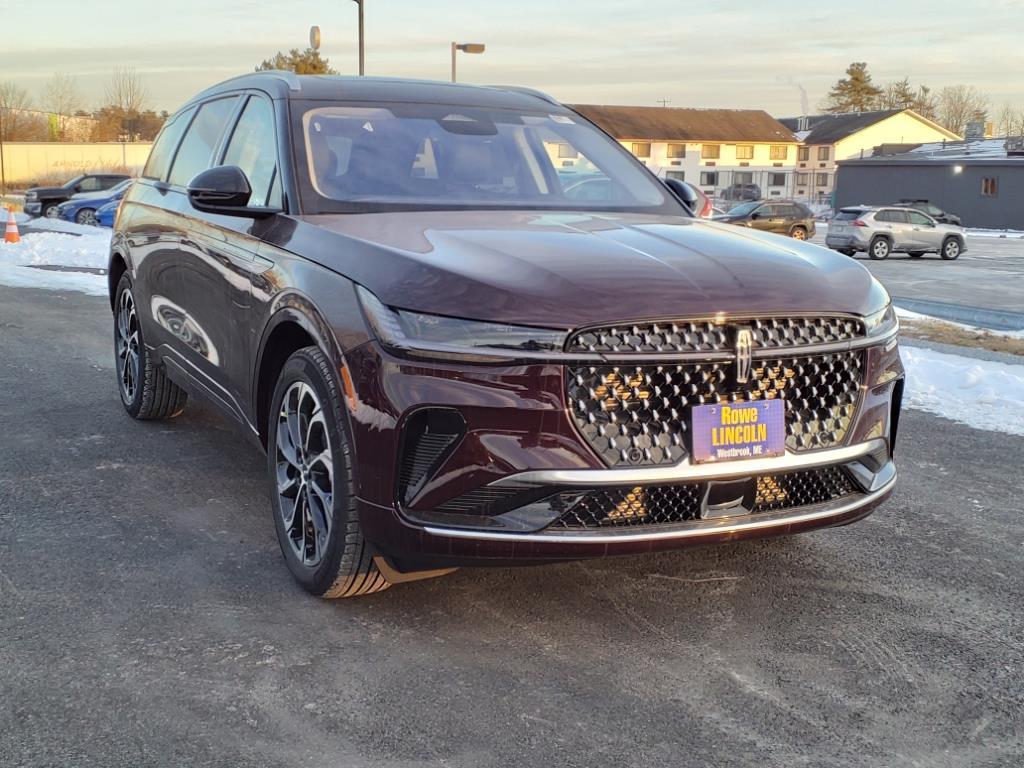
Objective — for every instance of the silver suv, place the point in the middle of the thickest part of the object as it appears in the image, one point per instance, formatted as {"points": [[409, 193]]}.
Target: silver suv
{"points": [[880, 230]]}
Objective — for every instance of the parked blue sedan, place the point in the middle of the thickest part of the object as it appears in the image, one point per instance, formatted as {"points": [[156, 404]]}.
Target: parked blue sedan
{"points": [[82, 208], [105, 214]]}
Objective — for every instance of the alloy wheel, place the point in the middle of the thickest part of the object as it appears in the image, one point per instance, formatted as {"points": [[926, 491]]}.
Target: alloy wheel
{"points": [[127, 345], [305, 473], [951, 249], [87, 217], [880, 248], [799, 234], [51, 212]]}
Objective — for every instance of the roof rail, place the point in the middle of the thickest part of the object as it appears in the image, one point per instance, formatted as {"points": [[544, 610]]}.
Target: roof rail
{"points": [[287, 75], [527, 91]]}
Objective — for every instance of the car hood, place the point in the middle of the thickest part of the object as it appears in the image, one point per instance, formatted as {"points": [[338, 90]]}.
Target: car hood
{"points": [[81, 197], [49, 191], [566, 270]]}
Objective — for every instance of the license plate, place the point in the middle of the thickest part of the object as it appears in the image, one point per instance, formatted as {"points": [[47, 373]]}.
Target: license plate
{"points": [[839, 228], [739, 431]]}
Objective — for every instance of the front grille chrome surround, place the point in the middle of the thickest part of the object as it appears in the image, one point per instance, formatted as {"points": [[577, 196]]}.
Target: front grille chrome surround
{"points": [[712, 335]]}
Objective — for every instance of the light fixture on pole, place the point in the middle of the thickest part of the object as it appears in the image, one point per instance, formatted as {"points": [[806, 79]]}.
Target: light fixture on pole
{"points": [[465, 48], [314, 38], [362, 48]]}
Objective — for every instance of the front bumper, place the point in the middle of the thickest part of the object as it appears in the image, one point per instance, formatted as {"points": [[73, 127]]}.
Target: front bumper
{"points": [[500, 495], [33, 208]]}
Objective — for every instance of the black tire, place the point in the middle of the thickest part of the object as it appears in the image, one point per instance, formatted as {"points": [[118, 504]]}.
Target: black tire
{"points": [[146, 391], [86, 216], [340, 563], [847, 252], [798, 233], [915, 254], [880, 248], [49, 211], [951, 248]]}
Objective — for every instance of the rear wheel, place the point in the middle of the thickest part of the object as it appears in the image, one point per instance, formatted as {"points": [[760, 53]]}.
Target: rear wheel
{"points": [[798, 233], [86, 216], [879, 248], [146, 391], [313, 498], [951, 248]]}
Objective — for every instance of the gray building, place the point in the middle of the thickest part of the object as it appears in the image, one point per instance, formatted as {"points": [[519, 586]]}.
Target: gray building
{"points": [[982, 181]]}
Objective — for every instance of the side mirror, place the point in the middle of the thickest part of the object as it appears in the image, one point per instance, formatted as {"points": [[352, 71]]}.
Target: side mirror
{"points": [[225, 190], [683, 193], [755, 215]]}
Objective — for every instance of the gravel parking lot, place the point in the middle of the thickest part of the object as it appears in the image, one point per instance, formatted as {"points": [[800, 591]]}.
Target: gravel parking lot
{"points": [[147, 619]]}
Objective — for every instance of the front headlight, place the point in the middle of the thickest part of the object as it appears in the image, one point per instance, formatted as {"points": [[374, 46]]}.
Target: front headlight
{"points": [[443, 337], [881, 322], [31, 195]]}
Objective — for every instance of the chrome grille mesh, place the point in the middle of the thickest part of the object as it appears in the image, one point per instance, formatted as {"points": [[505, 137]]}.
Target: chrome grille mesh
{"points": [[635, 415], [708, 336], [667, 504]]}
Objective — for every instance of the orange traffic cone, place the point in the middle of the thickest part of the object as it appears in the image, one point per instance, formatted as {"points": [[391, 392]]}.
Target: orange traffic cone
{"points": [[11, 234]]}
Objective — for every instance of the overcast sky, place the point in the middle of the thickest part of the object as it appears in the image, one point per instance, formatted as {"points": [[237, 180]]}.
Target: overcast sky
{"points": [[743, 53]]}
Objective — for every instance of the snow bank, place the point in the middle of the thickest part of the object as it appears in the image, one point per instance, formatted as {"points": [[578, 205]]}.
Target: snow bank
{"points": [[906, 314], [53, 225], [89, 250], [979, 393]]}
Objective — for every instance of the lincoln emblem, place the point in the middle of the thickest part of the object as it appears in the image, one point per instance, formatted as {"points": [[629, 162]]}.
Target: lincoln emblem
{"points": [[744, 357]]}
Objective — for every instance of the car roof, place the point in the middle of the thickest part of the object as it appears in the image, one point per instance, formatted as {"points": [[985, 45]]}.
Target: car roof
{"points": [[288, 85]]}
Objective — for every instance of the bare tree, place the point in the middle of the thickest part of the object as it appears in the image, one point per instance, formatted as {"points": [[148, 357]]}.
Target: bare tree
{"points": [[14, 103], [61, 97], [1010, 121], [960, 104], [126, 91]]}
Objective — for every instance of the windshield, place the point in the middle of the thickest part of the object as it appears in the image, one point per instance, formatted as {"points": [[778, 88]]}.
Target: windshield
{"points": [[435, 156], [743, 209], [121, 187]]}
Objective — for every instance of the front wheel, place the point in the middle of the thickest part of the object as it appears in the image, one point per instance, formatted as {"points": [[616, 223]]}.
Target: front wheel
{"points": [[86, 216], [50, 210], [309, 458], [146, 391], [951, 249], [880, 248], [798, 233]]}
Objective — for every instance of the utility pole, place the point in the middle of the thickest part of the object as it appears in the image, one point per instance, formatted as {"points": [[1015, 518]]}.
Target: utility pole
{"points": [[664, 102], [3, 172], [465, 48], [362, 48]]}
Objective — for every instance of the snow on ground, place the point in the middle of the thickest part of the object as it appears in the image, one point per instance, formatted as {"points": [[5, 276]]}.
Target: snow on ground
{"points": [[979, 393], [89, 250], [53, 225], [1015, 234], [906, 314]]}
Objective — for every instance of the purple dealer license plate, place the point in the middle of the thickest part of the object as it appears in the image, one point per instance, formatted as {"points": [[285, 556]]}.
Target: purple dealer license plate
{"points": [[739, 431]]}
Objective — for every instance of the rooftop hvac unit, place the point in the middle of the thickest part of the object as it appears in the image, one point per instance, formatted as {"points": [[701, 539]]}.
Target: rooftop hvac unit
{"points": [[1015, 147]]}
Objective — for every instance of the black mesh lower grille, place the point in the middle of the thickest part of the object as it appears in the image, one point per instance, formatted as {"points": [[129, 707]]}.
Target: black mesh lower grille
{"points": [[665, 504]]}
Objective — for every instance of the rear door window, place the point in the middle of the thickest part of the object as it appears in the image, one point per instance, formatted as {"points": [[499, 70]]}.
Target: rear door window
{"points": [[163, 150], [253, 148], [848, 215], [201, 139]]}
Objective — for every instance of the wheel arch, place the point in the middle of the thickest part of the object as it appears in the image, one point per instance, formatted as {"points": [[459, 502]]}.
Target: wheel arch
{"points": [[295, 323], [116, 267]]}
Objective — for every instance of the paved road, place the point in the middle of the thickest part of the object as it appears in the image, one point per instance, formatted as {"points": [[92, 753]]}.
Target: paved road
{"points": [[146, 618], [989, 275]]}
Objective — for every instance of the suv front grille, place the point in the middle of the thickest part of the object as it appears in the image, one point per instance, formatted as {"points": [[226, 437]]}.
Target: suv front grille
{"points": [[635, 415], [667, 504], [709, 336]]}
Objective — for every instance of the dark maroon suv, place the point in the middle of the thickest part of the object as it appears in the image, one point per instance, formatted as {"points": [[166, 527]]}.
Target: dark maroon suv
{"points": [[450, 361]]}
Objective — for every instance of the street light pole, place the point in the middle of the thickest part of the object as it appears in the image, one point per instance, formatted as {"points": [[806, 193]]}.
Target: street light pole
{"points": [[362, 49], [465, 48]]}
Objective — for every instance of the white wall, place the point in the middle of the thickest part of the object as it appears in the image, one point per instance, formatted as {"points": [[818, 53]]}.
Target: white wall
{"points": [[29, 161]]}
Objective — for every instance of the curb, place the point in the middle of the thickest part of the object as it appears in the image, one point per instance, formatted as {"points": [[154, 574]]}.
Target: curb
{"points": [[993, 319]]}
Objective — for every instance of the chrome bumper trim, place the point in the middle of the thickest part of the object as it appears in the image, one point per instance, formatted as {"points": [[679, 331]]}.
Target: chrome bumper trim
{"points": [[686, 471], [691, 530]]}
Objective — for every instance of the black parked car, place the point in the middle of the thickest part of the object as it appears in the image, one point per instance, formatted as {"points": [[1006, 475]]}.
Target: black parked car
{"points": [[945, 217], [43, 201], [450, 360]]}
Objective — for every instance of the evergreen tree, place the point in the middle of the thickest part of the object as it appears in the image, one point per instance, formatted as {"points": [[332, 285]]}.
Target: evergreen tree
{"points": [[855, 92], [307, 62]]}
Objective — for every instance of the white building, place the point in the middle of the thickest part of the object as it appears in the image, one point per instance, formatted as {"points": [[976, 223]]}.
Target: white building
{"points": [[729, 153]]}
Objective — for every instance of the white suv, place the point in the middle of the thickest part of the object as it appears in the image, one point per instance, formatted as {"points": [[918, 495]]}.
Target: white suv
{"points": [[884, 229]]}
